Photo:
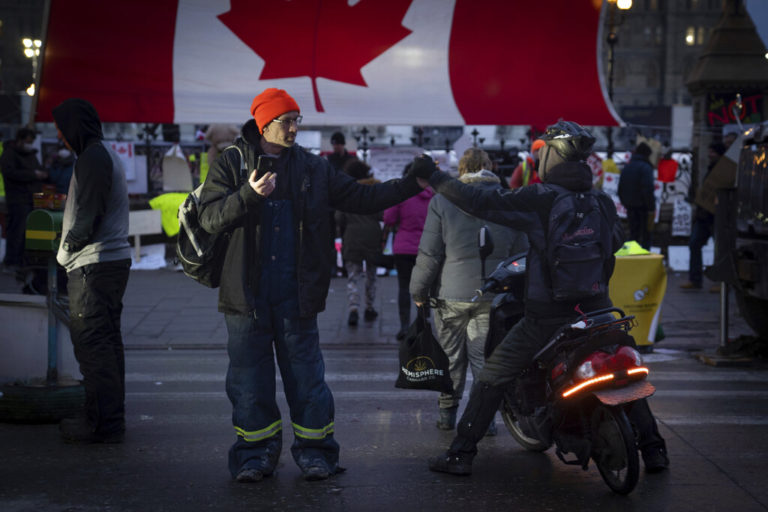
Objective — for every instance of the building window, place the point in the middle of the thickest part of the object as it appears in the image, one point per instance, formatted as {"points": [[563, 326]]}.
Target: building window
{"points": [[700, 36], [690, 36], [647, 33], [659, 35]]}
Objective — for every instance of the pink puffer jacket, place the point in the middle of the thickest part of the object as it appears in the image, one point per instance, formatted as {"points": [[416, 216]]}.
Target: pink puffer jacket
{"points": [[409, 217]]}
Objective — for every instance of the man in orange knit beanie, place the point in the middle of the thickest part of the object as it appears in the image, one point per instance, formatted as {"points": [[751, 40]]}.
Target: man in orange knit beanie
{"points": [[275, 279]]}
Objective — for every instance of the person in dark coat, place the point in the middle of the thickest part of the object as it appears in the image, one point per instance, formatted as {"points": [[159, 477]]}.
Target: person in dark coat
{"points": [[361, 237], [275, 280], [636, 194], [702, 228], [339, 159], [22, 174]]}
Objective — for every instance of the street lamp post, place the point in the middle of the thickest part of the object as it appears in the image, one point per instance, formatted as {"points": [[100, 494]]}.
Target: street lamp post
{"points": [[611, 40], [32, 51]]}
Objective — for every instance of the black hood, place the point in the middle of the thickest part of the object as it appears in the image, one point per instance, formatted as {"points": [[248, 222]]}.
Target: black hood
{"points": [[576, 176], [79, 123], [250, 133]]}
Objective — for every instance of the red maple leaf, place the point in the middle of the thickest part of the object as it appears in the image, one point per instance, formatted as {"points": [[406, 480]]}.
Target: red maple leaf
{"points": [[317, 38]]}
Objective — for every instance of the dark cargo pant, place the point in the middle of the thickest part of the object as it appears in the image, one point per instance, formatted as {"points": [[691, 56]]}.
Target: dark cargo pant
{"points": [[95, 305]]}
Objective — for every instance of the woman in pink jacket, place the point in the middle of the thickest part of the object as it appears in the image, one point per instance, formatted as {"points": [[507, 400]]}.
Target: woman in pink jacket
{"points": [[408, 219]]}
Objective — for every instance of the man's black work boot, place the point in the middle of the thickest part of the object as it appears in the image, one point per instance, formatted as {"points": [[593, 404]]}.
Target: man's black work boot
{"points": [[655, 460], [483, 403], [455, 464]]}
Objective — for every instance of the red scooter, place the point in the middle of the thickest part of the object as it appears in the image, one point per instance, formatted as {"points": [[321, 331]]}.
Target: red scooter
{"points": [[575, 391]]}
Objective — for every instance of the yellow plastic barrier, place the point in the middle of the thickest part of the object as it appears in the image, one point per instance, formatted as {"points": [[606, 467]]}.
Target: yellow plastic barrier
{"points": [[637, 286]]}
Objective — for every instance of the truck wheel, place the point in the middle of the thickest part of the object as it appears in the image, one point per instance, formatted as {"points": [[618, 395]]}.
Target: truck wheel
{"points": [[36, 402]]}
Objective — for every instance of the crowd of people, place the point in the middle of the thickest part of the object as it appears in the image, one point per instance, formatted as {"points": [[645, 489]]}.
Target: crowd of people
{"points": [[280, 259]]}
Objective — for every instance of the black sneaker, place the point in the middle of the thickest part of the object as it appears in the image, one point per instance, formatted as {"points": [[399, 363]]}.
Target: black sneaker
{"points": [[352, 320], [316, 469], [655, 460], [370, 314], [249, 475], [315, 473], [460, 464]]}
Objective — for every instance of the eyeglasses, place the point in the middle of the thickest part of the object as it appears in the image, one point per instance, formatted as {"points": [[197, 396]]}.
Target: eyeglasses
{"points": [[290, 121]]}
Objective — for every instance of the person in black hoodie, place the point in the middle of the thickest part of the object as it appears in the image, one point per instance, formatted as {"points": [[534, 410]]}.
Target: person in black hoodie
{"points": [[96, 254], [566, 147], [22, 173]]}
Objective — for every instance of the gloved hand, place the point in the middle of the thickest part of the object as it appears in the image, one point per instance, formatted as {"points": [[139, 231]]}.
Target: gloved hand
{"points": [[423, 167]]}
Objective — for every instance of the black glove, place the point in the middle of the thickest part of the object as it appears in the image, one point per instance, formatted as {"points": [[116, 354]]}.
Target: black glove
{"points": [[423, 167]]}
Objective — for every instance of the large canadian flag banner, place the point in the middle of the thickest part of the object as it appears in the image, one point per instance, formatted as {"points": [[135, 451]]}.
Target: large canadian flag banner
{"points": [[425, 62]]}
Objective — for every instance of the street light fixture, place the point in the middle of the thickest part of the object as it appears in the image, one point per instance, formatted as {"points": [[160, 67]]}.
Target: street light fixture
{"points": [[612, 39], [32, 51]]}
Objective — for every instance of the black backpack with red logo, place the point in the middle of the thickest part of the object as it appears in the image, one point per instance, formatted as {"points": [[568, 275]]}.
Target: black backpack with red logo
{"points": [[578, 244]]}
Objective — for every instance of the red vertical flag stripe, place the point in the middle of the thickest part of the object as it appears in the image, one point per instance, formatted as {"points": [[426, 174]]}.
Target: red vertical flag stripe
{"points": [[524, 60], [117, 55]]}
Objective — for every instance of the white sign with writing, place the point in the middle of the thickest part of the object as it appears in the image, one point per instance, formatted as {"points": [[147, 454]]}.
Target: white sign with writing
{"points": [[388, 163], [127, 155], [681, 217]]}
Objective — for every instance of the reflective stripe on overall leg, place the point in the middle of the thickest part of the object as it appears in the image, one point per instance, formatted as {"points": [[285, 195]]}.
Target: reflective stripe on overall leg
{"points": [[259, 435]]}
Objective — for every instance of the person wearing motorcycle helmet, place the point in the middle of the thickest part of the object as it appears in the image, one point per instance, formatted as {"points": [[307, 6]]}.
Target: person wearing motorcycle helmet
{"points": [[562, 163]]}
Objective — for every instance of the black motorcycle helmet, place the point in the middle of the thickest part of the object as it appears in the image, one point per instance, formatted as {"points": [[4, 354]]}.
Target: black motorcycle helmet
{"points": [[564, 141], [572, 142]]}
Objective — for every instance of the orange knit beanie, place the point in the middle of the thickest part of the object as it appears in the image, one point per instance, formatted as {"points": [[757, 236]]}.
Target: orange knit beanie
{"points": [[270, 104]]}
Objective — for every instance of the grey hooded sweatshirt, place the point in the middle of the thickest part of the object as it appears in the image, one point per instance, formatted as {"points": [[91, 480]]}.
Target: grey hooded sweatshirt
{"points": [[95, 226]]}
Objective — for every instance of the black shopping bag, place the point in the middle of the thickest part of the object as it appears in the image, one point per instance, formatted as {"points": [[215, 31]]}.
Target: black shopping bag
{"points": [[423, 363]]}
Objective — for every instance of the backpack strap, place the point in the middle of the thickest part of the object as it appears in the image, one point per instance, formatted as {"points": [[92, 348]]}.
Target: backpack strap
{"points": [[243, 163]]}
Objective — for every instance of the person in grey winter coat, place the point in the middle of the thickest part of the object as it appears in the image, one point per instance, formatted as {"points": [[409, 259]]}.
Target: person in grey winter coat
{"points": [[361, 243], [448, 269]]}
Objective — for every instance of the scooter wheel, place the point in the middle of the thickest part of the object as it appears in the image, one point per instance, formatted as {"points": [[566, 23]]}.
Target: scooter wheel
{"points": [[613, 449], [514, 427]]}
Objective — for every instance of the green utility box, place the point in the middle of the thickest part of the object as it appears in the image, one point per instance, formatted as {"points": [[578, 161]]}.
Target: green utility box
{"points": [[44, 230]]}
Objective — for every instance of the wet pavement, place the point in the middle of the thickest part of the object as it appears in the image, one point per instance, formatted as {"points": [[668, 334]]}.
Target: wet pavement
{"points": [[179, 430]]}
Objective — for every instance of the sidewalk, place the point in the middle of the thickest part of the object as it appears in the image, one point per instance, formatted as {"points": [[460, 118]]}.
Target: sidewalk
{"points": [[163, 309]]}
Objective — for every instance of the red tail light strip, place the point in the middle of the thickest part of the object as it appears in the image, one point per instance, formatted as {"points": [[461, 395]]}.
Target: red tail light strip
{"points": [[600, 379]]}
